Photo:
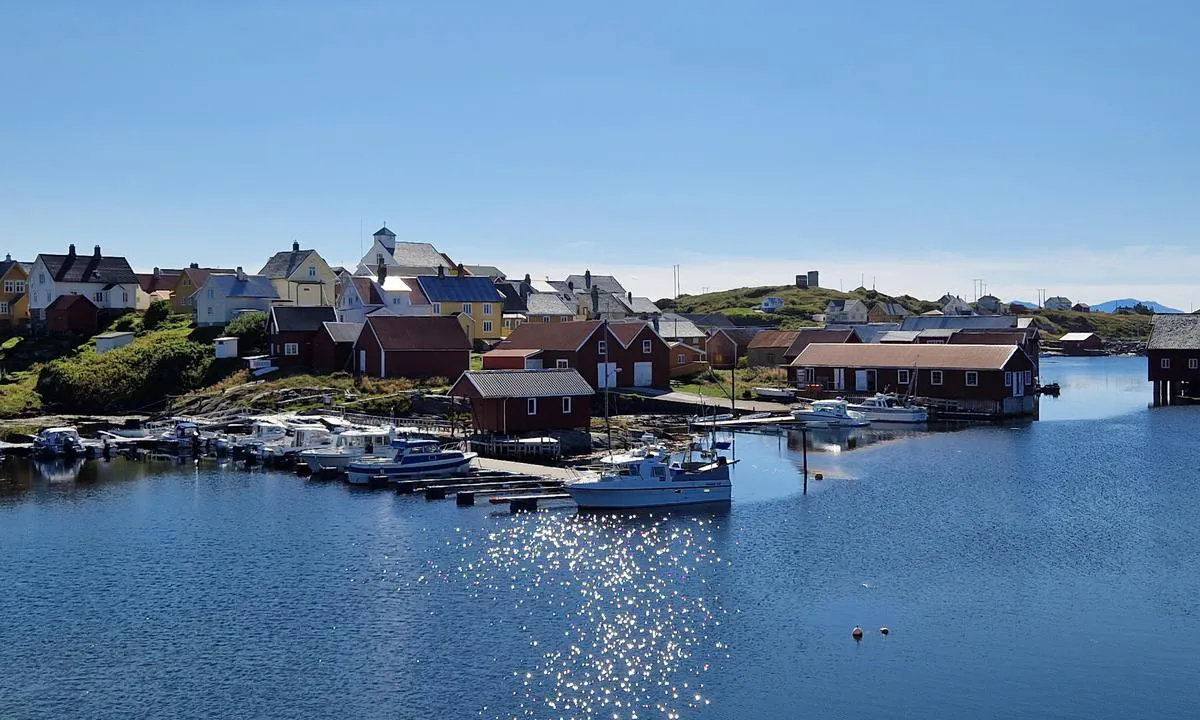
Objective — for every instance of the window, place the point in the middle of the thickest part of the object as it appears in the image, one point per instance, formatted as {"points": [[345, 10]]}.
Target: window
{"points": [[647, 347], [972, 378], [395, 301], [210, 311], [566, 406], [437, 308], [903, 377], [211, 293], [1008, 379], [1028, 377], [602, 347], [531, 406], [3, 308], [681, 359], [20, 286], [770, 358], [487, 308], [545, 318], [312, 271], [466, 308], [1165, 363], [508, 324], [10, 286], [378, 258], [935, 377], [561, 364], [291, 349], [487, 326], [98, 296], [124, 296], [41, 278], [1193, 363]]}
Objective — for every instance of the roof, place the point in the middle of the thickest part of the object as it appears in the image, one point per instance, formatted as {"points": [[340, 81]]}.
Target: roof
{"points": [[959, 322], [943, 333], [510, 291], [513, 352], [671, 326], [846, 305], [627, 332], [6, 265], [397, 332], [288, 318], [113, 335], [819, 335], [552, 336], [451, 288], [342, 332], [368, 291], [739, 335], [894, 309], [490, 271], [709, 321], [606, 283], [88, 269], [200, 275], [645, 306], [987, 337], [392, 283], [1077, 336], [1174, 332], [253, 286], [521, 384], [546, 304], [63, 302], [898, 336], [283, 264], [384, 231], [773, 339], [868, 333], [153, 282], [418, 255], [942, 357]]}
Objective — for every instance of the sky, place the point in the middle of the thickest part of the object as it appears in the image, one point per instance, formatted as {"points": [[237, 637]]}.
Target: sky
{"points": [[916, 146]]}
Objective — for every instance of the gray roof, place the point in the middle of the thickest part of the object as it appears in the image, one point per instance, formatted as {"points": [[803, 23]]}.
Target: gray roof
{"points": [[290, 318], [709, 321], [418, 255], [672, 326], [958, 322], [645, 306], [546, 304], [254, 286], [89, 269], [846, 306], [343, 332], [523, 383], [606, 283], [898, 336], [283, 264], [6, 265], [895, 309], [384, 231], [870, 332], [486, 270], [1174, 332]]}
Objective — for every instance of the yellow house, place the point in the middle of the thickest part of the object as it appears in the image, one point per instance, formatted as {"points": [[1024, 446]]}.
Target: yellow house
{"points": [[471, 296], [14, 301], [191, 279], [301, 277]]}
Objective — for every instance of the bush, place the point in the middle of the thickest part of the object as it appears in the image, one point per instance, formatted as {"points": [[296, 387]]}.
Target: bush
{"points": [[251, 331], [158, 311]]}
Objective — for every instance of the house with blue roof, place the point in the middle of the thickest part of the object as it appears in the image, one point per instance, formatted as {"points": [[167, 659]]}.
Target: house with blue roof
{"points": [[472, 298], [224, 296]]}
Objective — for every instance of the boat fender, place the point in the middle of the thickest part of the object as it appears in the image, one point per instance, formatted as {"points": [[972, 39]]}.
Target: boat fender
{"points": [[818, 476], [856, 633], [883, 630]]}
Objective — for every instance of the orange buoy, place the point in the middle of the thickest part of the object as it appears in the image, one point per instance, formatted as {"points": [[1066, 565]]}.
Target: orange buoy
{"points": [[856, 633]]}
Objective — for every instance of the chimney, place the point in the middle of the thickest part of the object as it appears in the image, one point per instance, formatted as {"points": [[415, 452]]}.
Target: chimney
{"points": [[8, 257], [654, 321], [441, 271], [96, 252], [587, 278], [194, 266], [71, 250], [630, 297], [595, 302], [241, 274], [460, 270], [295, 247], [381, 273], [528, 280], [157, 272], [570, 286]]}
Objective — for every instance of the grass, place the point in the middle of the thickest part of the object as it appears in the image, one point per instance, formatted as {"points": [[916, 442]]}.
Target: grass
{"points": [[717, 384], [18, 395]]}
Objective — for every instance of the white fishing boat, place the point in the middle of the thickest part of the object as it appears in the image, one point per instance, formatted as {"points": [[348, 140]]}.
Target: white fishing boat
{"points": [[298, 439], [655, 480], [830, 414], [59, 442], [408, 459], [886, 407], [775, 394], [348, 447]]}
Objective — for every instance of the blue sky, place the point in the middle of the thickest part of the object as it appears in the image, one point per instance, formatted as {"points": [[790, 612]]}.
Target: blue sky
{"points": [[1033, 144]]}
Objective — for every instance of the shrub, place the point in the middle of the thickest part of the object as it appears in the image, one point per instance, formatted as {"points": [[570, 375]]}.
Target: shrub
{"points": [[158, 311], [251, 331]]}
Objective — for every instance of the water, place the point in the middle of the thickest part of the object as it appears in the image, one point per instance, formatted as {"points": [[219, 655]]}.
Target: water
{"points": [[1026, 571]]}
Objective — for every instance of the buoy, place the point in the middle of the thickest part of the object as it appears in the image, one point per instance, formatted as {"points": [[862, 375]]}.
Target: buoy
{"points": [[883, 630], [856, 633], [819, 476]]}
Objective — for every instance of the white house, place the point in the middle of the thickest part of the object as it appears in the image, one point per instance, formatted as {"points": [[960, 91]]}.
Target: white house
{"points": [[224, 296], [1058, 302], [363, 295], [846, 312], [109, 282], [954, 305], [402, 259]]}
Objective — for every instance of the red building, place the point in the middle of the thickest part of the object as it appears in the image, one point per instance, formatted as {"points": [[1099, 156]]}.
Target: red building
{"points": [[1173, 357], [686, 360], [73, 313], [392, 346], [333, 347], [292, 331], [606, 354], [512, 402], [642, 357], [512, 359], [724, 346]]}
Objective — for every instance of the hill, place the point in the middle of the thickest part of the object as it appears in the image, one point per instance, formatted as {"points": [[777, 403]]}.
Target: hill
{"points": [[1113, 305]]}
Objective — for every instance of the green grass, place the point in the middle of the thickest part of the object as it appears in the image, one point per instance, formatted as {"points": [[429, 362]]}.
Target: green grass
{"points": [[18, 395], [717, 385], [476, 361]]}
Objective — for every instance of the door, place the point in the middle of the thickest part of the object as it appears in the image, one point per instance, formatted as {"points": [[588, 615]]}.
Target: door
{"points": [[643, 374], [860, 381], [1018, 384], [839, 379], [362, 361], [606, 375]]}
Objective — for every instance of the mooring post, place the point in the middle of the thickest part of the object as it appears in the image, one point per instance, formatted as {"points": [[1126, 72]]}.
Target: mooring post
{"points": [[804, 454]]}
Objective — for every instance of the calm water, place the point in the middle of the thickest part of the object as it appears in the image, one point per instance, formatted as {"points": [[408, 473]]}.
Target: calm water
{"points": [[1039, 570]]}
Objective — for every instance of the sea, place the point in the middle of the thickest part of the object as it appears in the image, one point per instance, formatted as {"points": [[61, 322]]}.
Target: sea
{"points": [[1033, 569]]}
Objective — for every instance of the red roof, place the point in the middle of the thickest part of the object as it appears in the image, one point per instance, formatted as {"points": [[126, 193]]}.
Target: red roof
{"points": [[552, 336], [626, 333], [63, 302], [513, 352], [820, 335], [773, 339], [164, 280], [367, 290], [418, 333]]}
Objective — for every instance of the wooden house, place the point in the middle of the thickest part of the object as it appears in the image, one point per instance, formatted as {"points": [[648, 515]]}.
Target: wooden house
{"points": [[449, 295], [156, 285], [391, 346], [333, 347], [686, 360], [989, 380], [301, 277], [14, 302], [190, 280], [769, 347], [106, 281], [223, 297], [292, 330], [513, 402], [889, 311], [641, 355], [504, 358], [1173, 357], [627, 354], [74, 314], [1081, 344], [724, 346]]}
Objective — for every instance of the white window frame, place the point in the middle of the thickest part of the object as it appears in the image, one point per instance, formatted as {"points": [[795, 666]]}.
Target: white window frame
{"points": [[210, 312], [98, 296], [1165, 363], [531, 406], [545, 318], [903, 377], [124, 296], [437, 308], [487, 308], [681, 359], [211, 293], [20, 284], [936, 377], [466, 308], [3, 308], [1028, 377], [312, 271], [41, 278], [1193, 363], [487, 326], [10, 286], [562, 364], [1008, 379], [602, 347], [972, 378], [567, 405], [291, 349], [647, 347]]}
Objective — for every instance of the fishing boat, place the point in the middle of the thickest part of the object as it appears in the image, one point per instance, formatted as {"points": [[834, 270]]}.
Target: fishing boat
{"points": [[410, 458], [59, 442], [348, 447], [655, 480], [886, 407], [298, 439], [830, 414]]}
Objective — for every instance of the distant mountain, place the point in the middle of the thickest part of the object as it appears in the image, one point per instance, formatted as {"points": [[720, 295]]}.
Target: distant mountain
{"points": [[1113, 305]]}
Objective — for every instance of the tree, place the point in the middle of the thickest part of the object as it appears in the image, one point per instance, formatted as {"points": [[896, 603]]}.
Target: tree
{"points": [[158, 311], [251, 331]]}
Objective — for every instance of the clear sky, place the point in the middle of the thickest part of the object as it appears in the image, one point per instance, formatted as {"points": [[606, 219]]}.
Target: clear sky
{"points": [[1033, 144]]}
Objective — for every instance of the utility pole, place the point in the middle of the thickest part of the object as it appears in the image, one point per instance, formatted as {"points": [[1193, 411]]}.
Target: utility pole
{"points": [[1041, 297]]}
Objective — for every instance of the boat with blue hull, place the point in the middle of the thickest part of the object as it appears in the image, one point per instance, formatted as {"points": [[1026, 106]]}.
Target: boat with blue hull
{"points": [[410, 458]]}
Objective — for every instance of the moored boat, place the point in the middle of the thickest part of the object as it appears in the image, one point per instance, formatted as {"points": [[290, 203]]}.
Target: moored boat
{"points": [[886, 407], [349, 446], [655, 480], [410, 458], [59, 442], [830, 413], [776, 394]]}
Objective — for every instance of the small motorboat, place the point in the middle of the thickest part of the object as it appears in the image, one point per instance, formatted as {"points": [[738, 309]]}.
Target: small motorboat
{"points": [[775, 394], [349, 446], [410, 458], [59, 442], [830, 414], [886, 407], [655, 480]]}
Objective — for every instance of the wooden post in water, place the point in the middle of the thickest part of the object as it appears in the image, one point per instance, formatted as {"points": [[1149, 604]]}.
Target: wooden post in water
{"points": [[804, 454]]}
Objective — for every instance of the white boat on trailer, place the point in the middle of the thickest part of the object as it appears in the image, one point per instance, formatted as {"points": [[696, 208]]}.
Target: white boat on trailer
{"points": [[408, 459], [830, 414], [886, 407]]}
